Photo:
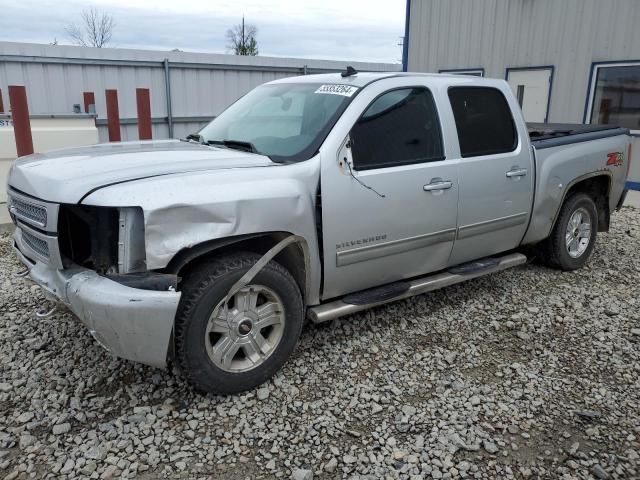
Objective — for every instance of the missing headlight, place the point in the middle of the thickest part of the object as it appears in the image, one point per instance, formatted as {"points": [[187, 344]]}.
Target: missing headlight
{"points": [[88, 237]]}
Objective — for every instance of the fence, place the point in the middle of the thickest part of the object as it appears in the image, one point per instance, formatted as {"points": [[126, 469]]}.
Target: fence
{"points": [[186, 89]]}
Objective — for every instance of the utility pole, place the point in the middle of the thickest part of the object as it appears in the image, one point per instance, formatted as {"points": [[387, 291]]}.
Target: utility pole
{"points": [[244, 46]]}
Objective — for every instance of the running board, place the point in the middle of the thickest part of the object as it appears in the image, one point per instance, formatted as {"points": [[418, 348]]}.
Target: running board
{"points": [[339, 308]]}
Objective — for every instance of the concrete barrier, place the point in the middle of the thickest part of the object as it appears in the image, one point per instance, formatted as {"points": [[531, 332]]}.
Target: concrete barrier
{"points": [[5, 164], [50, 132]]}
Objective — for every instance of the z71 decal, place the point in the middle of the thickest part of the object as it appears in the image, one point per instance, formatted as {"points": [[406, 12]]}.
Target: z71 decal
{"points": [[615, 159]]}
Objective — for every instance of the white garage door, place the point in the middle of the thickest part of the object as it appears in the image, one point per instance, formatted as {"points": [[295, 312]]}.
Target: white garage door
{"points": [[532, 88]]}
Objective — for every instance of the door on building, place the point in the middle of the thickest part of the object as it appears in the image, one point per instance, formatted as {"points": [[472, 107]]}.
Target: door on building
{"points": [[532, 87]]}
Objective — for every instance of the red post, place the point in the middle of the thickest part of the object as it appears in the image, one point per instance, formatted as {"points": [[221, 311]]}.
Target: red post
{"points": [[143, 102], [20, 117], [89, 99], [113, 115], [1, 103]]}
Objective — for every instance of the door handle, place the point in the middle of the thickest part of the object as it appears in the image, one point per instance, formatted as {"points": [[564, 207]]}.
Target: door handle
{"points": [[438, 185], [516, 172]]}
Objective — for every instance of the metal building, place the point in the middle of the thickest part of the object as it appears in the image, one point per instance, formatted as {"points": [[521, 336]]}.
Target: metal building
{"points": [[574, 61], [186, 89]]}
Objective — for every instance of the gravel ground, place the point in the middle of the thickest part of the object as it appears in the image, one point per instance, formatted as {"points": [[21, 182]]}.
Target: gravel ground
{"points": [[529, 373]]}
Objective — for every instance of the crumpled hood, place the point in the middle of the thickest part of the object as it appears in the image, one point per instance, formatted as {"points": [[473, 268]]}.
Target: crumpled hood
{"points": [[67, 175]]}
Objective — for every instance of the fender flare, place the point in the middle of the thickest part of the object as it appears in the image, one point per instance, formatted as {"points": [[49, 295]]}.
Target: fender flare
{"points": [[574, 182]]}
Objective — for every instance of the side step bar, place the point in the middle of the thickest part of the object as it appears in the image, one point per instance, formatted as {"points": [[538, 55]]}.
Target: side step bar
{"points": [[339, 308]]}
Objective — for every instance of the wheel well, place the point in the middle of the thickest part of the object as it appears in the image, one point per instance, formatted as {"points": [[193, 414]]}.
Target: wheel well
{"points": [[292, 257], [597, 188]]}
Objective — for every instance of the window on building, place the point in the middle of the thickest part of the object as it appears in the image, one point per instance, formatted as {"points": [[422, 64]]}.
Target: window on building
{"points": [[474, 72], [615, 95], [400, 127], [483, 121]]}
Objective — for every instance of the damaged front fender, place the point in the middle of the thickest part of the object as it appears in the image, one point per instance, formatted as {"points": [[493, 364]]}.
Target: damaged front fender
{"points": [[185, 210]]}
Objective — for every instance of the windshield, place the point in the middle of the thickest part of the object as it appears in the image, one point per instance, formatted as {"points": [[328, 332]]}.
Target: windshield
{"points": [[286, 122]]}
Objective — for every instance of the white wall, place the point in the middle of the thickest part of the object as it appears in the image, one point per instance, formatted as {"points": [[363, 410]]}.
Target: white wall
{"points": [[50, 133]]}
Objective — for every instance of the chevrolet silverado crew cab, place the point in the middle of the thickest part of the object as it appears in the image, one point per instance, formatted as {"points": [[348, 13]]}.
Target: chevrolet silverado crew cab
{"points": [[311, 197]]}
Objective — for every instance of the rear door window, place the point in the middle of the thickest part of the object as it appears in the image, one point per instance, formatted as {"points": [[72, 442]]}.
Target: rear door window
{"points": [[400, 127], [483, 120]]}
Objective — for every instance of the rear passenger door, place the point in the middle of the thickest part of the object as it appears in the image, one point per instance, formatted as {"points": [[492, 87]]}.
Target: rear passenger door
{"points": [[389, 197], [495, 171]]}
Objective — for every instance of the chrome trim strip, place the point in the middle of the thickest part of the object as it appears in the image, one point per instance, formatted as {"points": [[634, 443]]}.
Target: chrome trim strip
{"points": [[51, 208], [393, 247], [491, 225], [338, 308], [54, 258]]}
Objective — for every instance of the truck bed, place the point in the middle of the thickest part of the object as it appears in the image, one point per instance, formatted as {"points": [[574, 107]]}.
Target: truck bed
{"points": [[547, 135]]}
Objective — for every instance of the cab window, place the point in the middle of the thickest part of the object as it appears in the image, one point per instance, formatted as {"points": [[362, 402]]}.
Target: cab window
{"points": [[483, 121], [400, 127]]}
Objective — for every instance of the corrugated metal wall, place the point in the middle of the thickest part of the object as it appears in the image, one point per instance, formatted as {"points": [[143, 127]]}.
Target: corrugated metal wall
{"points": [[498, 34], [201, 85]]}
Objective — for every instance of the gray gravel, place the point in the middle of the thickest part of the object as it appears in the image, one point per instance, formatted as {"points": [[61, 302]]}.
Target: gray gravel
{"points": [[529, 373]]}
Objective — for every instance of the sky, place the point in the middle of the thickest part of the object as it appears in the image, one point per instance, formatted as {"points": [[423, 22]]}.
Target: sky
{"points": [[358, 30]]}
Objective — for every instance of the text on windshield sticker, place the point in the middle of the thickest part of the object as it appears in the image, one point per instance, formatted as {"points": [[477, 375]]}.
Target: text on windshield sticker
{"points": [[344, 90]]}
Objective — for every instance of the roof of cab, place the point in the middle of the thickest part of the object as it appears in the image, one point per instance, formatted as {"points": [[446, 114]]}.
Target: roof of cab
{"points": [[362, 79]]}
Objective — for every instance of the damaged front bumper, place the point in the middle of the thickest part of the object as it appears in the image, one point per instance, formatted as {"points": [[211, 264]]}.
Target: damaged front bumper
{"points": [[131, 323]]}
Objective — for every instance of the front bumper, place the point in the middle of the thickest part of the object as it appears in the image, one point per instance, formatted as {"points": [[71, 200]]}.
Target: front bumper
{"points": [[129, 322]]}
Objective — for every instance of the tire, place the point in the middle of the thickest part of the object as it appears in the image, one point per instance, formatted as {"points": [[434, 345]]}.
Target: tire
{"points": [[270, 307], [555, 251]]}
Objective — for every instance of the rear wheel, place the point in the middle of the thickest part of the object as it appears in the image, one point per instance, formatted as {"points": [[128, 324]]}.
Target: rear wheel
{"points": [[230, 346], [573, 236]]}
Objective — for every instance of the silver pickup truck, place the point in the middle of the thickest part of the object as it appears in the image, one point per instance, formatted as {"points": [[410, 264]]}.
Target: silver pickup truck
{"points": [[311, 197]]}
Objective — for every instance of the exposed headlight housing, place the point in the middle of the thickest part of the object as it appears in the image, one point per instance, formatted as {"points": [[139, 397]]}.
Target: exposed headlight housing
{"points": [[131, 250], [108, 240]]}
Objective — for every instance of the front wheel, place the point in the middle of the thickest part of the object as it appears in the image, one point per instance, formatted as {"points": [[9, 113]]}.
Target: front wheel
{"points": [[228, 347], [573, 236]]}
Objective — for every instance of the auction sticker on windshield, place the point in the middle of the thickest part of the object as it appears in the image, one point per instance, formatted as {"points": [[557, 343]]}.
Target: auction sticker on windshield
{"points": [[344, 90]]}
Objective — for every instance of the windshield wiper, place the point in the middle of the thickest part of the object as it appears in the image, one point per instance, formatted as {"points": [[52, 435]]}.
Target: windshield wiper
{"points": [[193, 136], [235, 145]]}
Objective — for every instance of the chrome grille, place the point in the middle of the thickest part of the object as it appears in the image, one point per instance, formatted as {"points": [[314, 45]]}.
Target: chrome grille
{"points": [[36, 226], [32, 211], [26, 210], [36, 244]]}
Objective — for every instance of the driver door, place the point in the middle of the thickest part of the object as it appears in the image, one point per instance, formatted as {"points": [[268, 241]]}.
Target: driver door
{"points": [[389, 198]]}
